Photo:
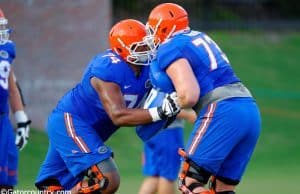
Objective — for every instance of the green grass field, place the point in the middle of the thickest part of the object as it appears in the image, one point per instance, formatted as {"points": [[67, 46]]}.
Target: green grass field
{"points": [[268, 63]]}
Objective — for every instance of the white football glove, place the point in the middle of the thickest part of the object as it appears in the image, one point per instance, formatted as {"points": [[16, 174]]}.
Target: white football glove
{"points": [[169, 108], [22, 132]]}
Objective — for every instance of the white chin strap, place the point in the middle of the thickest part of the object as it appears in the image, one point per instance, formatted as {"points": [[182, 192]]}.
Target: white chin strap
{"points": [[142, 59]]}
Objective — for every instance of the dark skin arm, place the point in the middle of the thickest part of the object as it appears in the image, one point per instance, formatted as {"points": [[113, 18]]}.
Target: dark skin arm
{"points": [[113, 102]]}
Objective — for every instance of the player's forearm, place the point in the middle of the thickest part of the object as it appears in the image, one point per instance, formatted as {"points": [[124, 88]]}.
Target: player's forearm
{"points": [[14, 95], [15, 102], [131, 117]]}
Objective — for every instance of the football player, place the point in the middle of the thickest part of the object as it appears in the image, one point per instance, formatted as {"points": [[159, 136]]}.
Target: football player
{"points": [[160, 160], [112, 87], [228, 123], [10, 95]]}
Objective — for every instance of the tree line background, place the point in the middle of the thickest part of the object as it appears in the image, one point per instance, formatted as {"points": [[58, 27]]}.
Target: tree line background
{"points": [[222, 14]]}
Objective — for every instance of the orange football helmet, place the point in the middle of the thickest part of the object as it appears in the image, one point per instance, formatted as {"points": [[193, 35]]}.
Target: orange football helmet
{"points": [[166, 19], [126, 38], [4, 32]]}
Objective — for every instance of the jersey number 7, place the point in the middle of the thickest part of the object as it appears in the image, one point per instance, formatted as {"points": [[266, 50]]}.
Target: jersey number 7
{"points": [[208, 45]]}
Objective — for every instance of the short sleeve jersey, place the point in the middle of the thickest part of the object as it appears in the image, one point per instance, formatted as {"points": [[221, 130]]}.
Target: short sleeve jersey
{"points": [[84, 102], [209, 64]]}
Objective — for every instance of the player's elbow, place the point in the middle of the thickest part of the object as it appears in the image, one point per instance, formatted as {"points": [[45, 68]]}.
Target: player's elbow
{"points": [[189, 98], [117, 117]]}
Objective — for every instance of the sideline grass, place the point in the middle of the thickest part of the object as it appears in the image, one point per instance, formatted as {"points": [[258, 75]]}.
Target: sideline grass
{"points": [[31, 158]]}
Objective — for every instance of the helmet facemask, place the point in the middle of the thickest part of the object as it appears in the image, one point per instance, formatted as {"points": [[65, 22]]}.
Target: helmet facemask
{"points": [[4, 32], [139, 52], [153, 38]]}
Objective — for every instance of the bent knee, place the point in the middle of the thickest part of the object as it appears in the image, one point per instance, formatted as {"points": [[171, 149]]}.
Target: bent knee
{"points": [[101, 178], [113, 182]]}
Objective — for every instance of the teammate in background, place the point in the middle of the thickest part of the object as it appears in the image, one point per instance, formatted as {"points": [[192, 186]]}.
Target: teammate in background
{"points": [[228, 123], [10, 95], [113, 85], [161, 162]]}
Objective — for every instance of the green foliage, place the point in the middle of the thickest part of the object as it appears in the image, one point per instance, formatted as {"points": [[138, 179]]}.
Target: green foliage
{"points": [[268, 63], [290, 9]]}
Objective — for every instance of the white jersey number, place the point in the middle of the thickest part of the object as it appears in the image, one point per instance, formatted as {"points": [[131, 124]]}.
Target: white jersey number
{"points": [[113, 58], [206, 41], [131, 99], [4, 74]]}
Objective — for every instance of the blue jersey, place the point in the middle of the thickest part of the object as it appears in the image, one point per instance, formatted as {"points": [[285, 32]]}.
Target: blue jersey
{"points": [[83, 101], [217, 143], [209, 64], [7, 55]]}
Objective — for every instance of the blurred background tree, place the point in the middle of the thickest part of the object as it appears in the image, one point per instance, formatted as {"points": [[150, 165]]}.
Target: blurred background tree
{"points": [[223, 14]]}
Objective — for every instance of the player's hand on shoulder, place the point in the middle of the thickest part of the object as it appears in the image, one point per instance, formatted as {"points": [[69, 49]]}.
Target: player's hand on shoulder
{"points": [[23, 128], [169, 108]]}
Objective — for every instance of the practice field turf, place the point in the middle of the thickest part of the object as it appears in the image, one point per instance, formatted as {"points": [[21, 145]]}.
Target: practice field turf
{"points": [[268, 63]]}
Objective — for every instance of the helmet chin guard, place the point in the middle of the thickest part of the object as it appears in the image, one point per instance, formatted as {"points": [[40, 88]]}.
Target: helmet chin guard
{"points": [[4, 31], [139, 53]]}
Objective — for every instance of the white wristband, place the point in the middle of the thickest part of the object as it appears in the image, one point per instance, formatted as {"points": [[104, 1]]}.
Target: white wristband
{"points": [[154, 114], [21, 116]]}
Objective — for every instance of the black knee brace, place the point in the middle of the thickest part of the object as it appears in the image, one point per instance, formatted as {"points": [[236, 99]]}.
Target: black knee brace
{"points": [[95, 180], [192, 170], [226, 192], [228, 181]]}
